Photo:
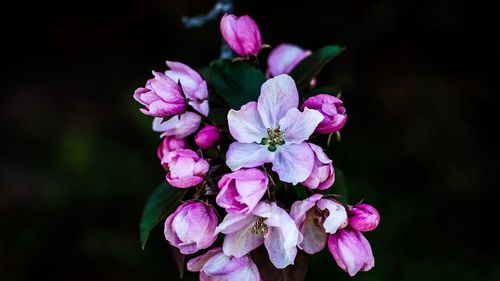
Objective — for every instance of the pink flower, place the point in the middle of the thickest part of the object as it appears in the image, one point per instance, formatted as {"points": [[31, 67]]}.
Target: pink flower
{"points": [[170, 143], [363, 217], [186, 168], [193, 86], [161, 97], [351, 251], [322, 175], [208, 137], [241, 34], [240, 191], [284, 58], [214, 265], [179, 126], [316, 217], [268, 224], [191, 227], [274, 130], [332, 109]]}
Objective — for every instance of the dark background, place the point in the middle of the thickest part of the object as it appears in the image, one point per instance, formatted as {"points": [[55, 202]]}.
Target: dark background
{"points": [[78, 159]]}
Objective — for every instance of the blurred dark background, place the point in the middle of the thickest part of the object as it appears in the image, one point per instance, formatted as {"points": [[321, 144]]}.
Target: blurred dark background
{"points": [[78, 159]]}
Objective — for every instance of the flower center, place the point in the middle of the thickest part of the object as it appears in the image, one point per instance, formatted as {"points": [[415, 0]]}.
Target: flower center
{"points": [[259, 228], [320, 216], [275, 137]]}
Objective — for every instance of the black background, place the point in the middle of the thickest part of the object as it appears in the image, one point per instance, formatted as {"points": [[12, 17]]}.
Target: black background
{"points": [[78, 159]]}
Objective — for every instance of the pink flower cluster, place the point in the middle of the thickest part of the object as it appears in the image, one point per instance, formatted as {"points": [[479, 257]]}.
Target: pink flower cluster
{"points": [[269, 148]]}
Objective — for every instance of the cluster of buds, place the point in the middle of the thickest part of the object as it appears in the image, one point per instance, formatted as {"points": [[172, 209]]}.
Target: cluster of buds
{"points": [[266, 146]]}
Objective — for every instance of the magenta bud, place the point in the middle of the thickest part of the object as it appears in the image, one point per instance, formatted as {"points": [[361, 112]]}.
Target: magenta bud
{"points": [[241, 34], [351, 251], [333, 112], [185, 168], [322, 175], [208, 137], [191, 227], [364, 217], [170, 143]]}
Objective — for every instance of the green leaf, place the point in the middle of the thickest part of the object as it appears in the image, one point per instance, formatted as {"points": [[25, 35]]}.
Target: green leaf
{"points": [[237, 82], [161, 202], [311, 66]]}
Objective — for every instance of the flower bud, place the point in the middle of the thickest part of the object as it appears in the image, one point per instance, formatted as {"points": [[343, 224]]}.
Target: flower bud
{"points": [[208, 137], [322, 175], [351, 251], [170, 143], [191, 227], [240, 191], [186, 168], [284, 58], [332, 109], [241, 34], [161, 97], [363, 217]]}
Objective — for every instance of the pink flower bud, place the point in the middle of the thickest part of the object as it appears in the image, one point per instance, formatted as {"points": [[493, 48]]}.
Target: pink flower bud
{"points": [[284, 58], [193, 86], [191, 227], [322, 175], [208, 137], [351, 251], [161, 97], [241, 34], [170, 143], [240, 191], [331, 108], [364, 217], [186, 168]]}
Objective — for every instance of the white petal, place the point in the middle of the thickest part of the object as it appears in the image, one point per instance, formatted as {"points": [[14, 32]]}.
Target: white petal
{"points": [[299, 126], [245, 124], [277, 96], [242, 242], [293, 162], [247, 155]]}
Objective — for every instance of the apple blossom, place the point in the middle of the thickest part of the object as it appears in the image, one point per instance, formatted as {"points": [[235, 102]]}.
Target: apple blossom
{"points": [[332, 109], [363, 217], [241, 34], [351, 251], [322, 175], [284, 58], [170, 143], [208, 137], [179, 126], [185, 168]]}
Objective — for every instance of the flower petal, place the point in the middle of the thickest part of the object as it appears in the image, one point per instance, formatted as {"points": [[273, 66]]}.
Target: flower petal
{"points": [[234, 222], [247, 155], [284, 58], [249, 272], [299, 126], [196, 264], [337, 217], [245, 124], [277, 96], [314, 236], [300, 208], [178, 126], [293, 162], [279, 255], [242, 242]]}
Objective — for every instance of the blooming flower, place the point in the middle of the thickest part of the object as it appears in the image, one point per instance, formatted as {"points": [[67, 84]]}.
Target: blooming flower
{"points": [[193, 86], [186, 168], [332, 109], [363, 217], [170, 143], [191, 227], [240, 191], [179, 126], [284, 58], [161, 97], [274, 130], [351, 251], [214, 265], [242, 34], [268, 224], [208, 137], [316, 217], [322, 175]]}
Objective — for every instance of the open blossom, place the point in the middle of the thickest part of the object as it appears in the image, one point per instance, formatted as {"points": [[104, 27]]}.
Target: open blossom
{"points": [[273, 130], [214, 265], [169, 143], [208, 137], [179, 126], [194, 87], [191, 227], [322, 175], [284, 58], [317, 217], [240, 191], [363, 217], [241, 34], [268, 224], [185, 168], [161, 97], [351, 251], [332, 109]]}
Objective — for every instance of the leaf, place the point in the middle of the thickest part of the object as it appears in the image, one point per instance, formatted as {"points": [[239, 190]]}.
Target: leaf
{"points": [[295, 272], [311, 66], [236, 82], [330, 90], [159, 204], [178, 258]]}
